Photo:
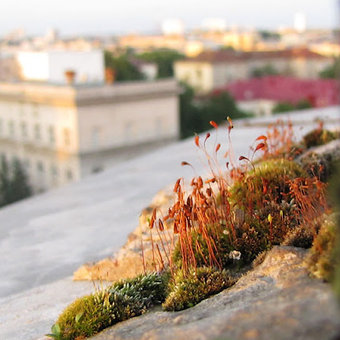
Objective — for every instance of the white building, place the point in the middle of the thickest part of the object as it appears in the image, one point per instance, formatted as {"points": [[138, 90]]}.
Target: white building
{"points": [[51, 66], [172, 27], [213, 69], [64, 132]]}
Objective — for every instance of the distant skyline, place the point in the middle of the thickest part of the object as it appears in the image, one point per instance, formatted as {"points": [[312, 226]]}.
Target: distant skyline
{"points": [[72, 17]]}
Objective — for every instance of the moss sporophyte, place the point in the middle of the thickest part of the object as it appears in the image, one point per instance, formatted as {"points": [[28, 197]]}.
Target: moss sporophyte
{"points": [[218, 227]]}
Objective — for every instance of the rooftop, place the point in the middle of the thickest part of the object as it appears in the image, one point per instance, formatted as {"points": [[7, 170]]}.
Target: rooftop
{"points": [[44, 92], [320, 92], [236, 56]]}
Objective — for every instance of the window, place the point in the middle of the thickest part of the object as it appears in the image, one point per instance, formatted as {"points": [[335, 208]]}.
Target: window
{"points": [[95, 137], [67, 140], [35, 110], [51, 135], [40, 167], [37, 134], [128, 131], [11, 128], [97, 169], [54, 172], [21, 108], [69, 175], [24, 130], [158, 126]]}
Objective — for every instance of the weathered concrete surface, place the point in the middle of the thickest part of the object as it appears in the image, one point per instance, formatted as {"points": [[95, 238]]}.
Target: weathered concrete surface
{"points": [[277, 300], [46, 238], [29, 315]]}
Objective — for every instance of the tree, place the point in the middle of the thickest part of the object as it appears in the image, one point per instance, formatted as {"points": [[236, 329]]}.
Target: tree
{"points": [[283, 107], [5, 183], [303, 104], [124, 70], [287, 106], [218, 107], [13, 183], [190, 117], [269, 35], [195, 116], [332, 71], [21, 188], [164, 58], [266, 70]]}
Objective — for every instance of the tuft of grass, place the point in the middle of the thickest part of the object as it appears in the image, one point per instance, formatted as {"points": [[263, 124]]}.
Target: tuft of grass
{"points": [[188, 289], [90, 314], [334, 195], [218, 228], [318, 165], [267, 182], [318, 136], [322, 261], [260, 206], [301, 237], [265, 208]]}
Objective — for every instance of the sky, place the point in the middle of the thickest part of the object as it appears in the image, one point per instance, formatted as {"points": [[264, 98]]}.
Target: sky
{"points": [[131, 16]]}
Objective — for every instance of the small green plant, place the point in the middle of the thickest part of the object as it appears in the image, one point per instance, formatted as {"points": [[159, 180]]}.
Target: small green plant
{"points": [[318, 136], [90, 314], [288, 106], [267, 182], [56, 333], [322, 262], [186, 290], [221, 225], [247, 210], [334, 195], [301, 237]]}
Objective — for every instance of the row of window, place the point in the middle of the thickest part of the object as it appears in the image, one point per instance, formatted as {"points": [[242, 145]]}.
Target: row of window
{"points": [[54, 171], [22, 130], [41, 170]]}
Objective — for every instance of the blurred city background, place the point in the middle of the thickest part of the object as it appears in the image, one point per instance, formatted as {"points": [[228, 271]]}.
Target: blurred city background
{"points": [[85, 85]]}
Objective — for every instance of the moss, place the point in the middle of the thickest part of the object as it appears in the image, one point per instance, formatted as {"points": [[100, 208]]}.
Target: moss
{"points": [[259, 259], [299, 237], [319, 165], [318, 137], [322, 261], [288, 152], [86, 316], [188, 290], [267, 182], [125, 299], [269, 208], [253, 233], [334, 194]]}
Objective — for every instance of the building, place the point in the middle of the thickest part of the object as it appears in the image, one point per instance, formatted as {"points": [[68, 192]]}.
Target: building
{"points": [[260, 95], [213, 69], [51, 66], [64, 132], [150, 42]]}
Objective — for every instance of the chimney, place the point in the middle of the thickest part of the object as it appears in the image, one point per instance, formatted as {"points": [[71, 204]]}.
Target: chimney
{"points": [[70, 76], [109, 76]]}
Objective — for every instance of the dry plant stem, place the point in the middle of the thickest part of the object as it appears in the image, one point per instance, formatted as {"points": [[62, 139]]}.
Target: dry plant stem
{"points": [[143, 257], [204, 214], [162, 243], [153, 250]]}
